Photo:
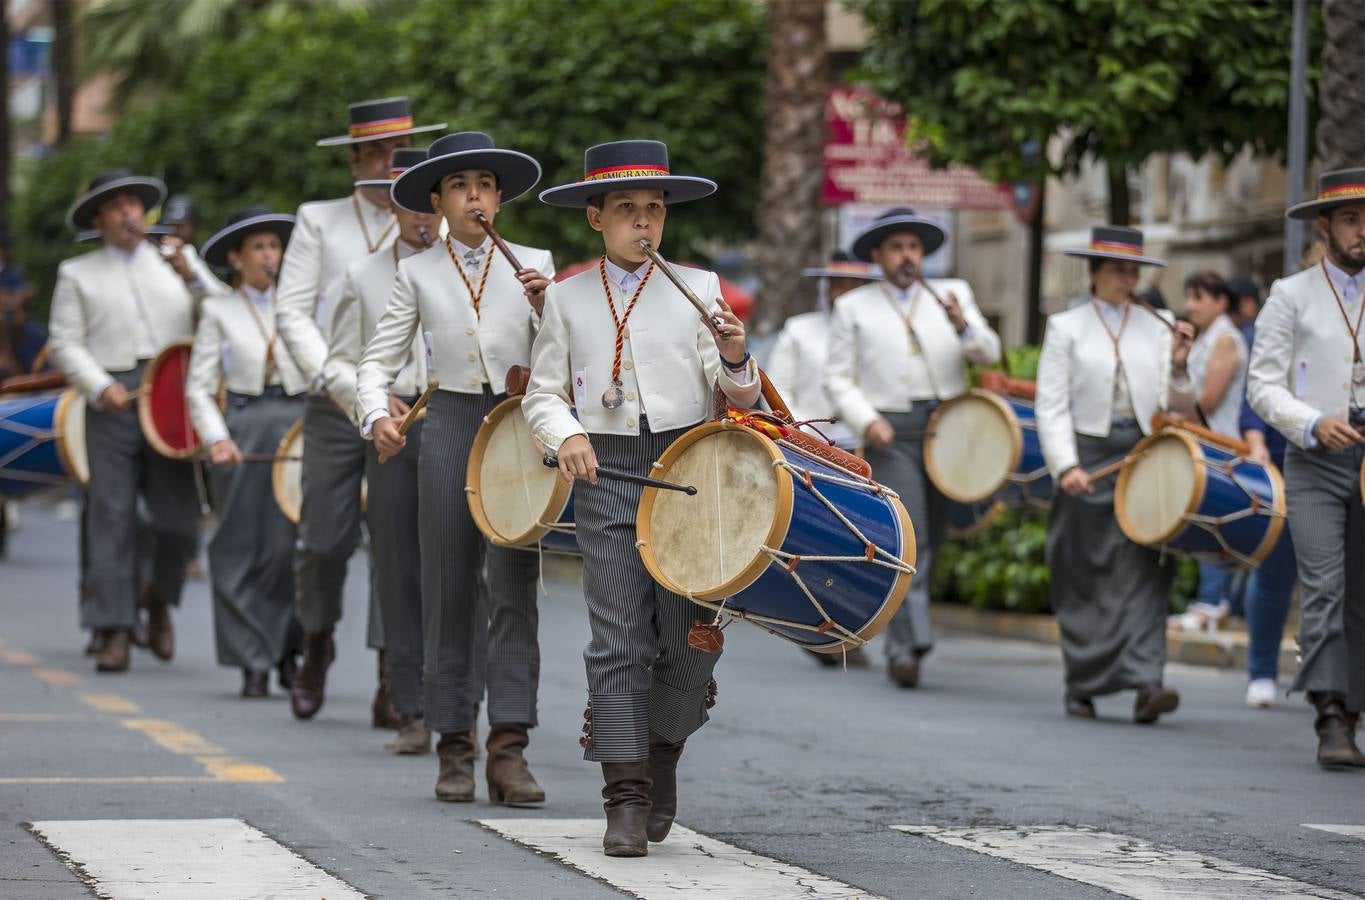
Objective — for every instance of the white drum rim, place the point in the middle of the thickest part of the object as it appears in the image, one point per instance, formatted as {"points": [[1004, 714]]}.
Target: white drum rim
{"points": [[66, 451], [277, 470], [931, 430], [554, 509]]}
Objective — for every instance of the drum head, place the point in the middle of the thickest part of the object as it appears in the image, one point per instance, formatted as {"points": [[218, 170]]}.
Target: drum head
{"points": [[710, 545], [1155, 493], [286, 474], [512, 491], [71, 436], [973, 443], [162, 409]]}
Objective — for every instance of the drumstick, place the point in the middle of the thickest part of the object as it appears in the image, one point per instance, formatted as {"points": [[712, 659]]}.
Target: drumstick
{"points": [[1114, 466], [413, 412], [499, 242], [614, 475]]}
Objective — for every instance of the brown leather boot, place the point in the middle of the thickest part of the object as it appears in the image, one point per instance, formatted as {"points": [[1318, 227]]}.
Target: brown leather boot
{"points": [[455, 768], [310, 684], [113, 654], [414, 738], [1336, 739], [510, 781], [160, 631], [663, 791], [627, 805], [383, 714], [1154, 701]]}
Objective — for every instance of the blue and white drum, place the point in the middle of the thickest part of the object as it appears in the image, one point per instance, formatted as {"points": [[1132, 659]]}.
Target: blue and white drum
{"points": [[1189, 491], [516, 501], [42, 442], [982, 446], [775, 536]]}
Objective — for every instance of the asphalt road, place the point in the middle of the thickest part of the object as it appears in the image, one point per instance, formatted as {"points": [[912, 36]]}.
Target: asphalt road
{"points": [[800, 764]]}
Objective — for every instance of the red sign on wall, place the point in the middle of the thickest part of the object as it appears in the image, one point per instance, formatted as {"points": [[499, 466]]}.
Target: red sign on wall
{"points": [[866, 160]]}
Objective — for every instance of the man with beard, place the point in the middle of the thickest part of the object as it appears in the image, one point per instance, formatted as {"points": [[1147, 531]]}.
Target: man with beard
{"points": [[1307, 380]]}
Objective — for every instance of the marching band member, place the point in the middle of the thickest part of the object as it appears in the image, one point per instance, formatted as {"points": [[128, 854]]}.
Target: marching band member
{"points": [[895, 352], [1307, 381], [482, 315], [620, 348], [114, 310], [236, 345], [329, 235], [391, 505], [1106, 368]]}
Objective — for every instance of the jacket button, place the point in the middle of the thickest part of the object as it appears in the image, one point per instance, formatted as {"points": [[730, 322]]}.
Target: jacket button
{"points": [[627, 365], [469, 330], [626, 333], [474, 382], [473, 357], [630, 395], [630, 422]]}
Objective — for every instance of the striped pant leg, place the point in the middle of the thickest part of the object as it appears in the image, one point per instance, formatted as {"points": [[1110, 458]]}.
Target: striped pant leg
{"points": [[512, 666], [682, 674]]}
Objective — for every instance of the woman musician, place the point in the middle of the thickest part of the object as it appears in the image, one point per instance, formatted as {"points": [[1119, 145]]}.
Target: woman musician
{"points": [[1106, 367], [235, 345]]}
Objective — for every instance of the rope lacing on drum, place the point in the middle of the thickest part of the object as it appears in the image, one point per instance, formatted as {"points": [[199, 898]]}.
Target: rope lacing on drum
{"points": [[36, 438], [1211, 524]]}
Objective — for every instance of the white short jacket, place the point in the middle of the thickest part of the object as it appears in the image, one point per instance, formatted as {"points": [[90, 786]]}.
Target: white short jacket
{"points": [[869, 368], [796, 367], [669, 361]]}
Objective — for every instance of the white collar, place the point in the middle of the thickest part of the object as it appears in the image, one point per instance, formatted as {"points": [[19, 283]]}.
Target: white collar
{"points": [[125, 255], [1110, 311], [619, 275], [260, 298], [464, 249], [404, 249], [1340, 278], [900, 294], [371, 209]]}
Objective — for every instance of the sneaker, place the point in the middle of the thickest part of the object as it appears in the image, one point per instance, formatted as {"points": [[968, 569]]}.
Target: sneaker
{"points": [[1261, 693]]}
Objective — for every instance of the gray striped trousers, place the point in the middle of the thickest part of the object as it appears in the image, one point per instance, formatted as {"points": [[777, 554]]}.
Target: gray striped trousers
{"points": [[455, 621], [642, 675]]}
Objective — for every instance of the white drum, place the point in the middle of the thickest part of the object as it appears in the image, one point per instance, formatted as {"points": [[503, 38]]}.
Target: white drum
{"points": [[972, 446], [71, 436], [286, 474]]}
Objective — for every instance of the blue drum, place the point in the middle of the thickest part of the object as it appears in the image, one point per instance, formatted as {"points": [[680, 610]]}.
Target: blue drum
{"points": [[1189, 491], [982, 446], [42, 442], [775, 536], [515, 500]]}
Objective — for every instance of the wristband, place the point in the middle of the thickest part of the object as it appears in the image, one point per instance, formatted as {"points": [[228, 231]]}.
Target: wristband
{"points": [[736, 367]]}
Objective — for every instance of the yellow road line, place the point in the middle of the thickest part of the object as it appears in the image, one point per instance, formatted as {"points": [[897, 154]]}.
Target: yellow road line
{"points": [[19, 658], [173, 738], [229, 768], [110, 703], [57, 677]]}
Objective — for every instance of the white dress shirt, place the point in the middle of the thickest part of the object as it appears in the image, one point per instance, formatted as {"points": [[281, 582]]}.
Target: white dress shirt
{"points": [[875, 365], [1302, 361], [328, 236], [468, 350], [669, 361]]}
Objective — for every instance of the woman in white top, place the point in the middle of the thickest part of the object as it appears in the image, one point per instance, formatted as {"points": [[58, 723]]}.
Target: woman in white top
{"points": [[236, 348], [1106, 367]]}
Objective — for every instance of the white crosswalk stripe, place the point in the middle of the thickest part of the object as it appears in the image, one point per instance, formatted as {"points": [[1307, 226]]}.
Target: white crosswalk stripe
{"points": [[208, 859], [1125, 865], [686, 865], [1355, 831]]}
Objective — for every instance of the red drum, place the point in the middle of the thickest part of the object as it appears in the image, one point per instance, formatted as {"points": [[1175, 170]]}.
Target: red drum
{"points": [[162, 409]]}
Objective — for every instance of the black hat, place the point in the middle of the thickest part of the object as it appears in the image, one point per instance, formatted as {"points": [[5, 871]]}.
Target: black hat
{"points": [[105, 185], [1335, 188], [459, 152], [902, 218], [1240, 286], [239, 226], [841, 265], [1117, 242], [375, 120], [404, 158], [628, 166], [179, 210]]}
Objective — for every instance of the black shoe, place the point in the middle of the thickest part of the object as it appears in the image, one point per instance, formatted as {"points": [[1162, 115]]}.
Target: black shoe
{"points": [[1080, 707], [904, 671], [255, 684], [288, 668], [627, 806], [1336, 733], [1153, 702]]}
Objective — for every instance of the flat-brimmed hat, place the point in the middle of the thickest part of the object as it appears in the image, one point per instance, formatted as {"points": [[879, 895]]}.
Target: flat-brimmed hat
{"points": [[902, 218], [105, 185], [1335, 188], [1116, 242], [240, 225], [462, 151], [179, 210], [841, 265], [628, 166], [377, 120], [404, 158]]}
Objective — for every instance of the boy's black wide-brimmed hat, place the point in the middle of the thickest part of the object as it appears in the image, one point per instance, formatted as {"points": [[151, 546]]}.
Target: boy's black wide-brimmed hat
{"points": [[463, 151], [628, 166], [1116, 242], [1335, 188], [841, 265], [376, 120], [902, 218], [241, 225], [404, 158], [106, 185]]}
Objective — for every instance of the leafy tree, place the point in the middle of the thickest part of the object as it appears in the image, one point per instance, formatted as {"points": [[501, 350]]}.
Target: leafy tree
{"points": [[1118, 80]]}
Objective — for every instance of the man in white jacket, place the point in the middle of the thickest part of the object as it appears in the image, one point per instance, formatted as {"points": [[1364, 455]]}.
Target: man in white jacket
{"points": [[897, 348], [1307, 380]]}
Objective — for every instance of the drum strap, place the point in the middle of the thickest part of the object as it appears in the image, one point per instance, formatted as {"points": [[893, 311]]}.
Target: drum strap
{"points": [[267, 335], [908, 317], [365, 231], [1353, 332], [475, 297]]}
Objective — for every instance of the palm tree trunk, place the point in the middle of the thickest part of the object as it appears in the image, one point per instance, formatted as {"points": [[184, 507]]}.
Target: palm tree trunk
{"points": [[794, 134], [1120, 212], [64, 64], [1341, 96]]}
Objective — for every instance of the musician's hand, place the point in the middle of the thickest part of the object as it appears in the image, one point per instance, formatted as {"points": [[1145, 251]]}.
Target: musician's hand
{"points": [[225, 452], [730, 340], [114, 398], [173, 249], [533, 285], [880, 434], [1336, 434], [577, 459], [1076, 481], [397, 408], [954, 311], [1181, 339], [387, 440], [1255, 439]]}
